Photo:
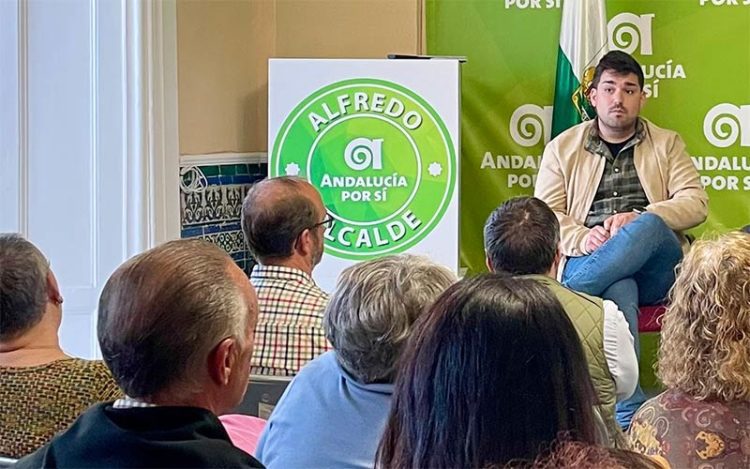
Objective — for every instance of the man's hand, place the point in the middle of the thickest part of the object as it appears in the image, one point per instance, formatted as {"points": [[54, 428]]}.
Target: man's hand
{"points": [[596, 237], [617, 221]]}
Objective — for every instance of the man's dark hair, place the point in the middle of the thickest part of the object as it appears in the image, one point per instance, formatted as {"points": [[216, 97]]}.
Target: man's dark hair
{"points": [[521, 237], [272, 223], [23, 285], [620, 63], [746, 229]]}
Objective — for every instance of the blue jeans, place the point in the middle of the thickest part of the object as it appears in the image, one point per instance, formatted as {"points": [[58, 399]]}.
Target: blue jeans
{"points": [[634, 267]]}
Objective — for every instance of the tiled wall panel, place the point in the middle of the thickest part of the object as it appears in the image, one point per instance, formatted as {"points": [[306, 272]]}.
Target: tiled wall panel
{"points": [[211, 205]]}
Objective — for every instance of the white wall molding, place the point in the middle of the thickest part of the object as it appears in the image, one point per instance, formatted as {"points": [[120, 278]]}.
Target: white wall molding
{"points": [[153, 205], [94, 154], [224, 158], [135, 169], [14, 117], [9, 115], [163, 137], [23, 118]]}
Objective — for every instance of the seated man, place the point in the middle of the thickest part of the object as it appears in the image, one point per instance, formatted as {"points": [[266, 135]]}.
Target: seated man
{"points": [[334, 411], [623, 190], [283, 220], [176, 330], [522, 237]]}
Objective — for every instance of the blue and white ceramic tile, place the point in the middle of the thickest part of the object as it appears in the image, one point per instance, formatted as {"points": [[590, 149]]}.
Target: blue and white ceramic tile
{"points": [[211, 205]]}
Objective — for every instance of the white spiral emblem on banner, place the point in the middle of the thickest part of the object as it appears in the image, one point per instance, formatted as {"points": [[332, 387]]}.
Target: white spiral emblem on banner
{"points": [[627, 32], [530, 123], [362, 153], [725, 123]]}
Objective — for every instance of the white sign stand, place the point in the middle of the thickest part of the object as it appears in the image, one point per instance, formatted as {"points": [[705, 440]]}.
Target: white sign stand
{"points": [[380, 139]]}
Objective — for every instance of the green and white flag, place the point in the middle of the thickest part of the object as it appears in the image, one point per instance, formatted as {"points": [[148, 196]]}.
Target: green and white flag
{"points": [[583, 41]]}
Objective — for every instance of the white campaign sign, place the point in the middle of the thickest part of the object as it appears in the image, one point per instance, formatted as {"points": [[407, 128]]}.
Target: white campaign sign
{"points": [[380, 140]]}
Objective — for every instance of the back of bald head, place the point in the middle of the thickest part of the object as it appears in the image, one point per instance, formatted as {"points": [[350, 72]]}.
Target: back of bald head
{"points": [[163, 311], [274, 213]]}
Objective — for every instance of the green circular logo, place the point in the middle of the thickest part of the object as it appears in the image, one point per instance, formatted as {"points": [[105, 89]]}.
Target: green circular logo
{"points": [[380, 156]]}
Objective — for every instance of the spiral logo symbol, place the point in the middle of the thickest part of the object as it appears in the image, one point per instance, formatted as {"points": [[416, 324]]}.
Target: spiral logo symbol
{"points": [[363, 153], [725, 123], [628, 31], [530, 123]]}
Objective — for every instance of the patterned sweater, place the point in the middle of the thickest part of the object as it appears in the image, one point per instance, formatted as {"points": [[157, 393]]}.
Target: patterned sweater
{"points": [[38, 401]]}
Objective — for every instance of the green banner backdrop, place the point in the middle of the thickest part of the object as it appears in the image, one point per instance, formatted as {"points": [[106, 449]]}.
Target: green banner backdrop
{"points": [[696, 59]]}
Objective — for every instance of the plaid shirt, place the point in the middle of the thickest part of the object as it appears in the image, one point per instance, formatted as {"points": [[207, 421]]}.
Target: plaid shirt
{"points": [[619, 190], [290, 330]]}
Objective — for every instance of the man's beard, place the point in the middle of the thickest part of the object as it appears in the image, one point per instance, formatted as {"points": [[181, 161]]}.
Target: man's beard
{"points": [[619, 124], [317, 254]]}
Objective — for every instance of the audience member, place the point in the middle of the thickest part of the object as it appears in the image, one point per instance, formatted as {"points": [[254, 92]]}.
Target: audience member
{"points": [[335, 409], [493, 372], [42, 389], [703, 418], [522, 237], [176, 330], [284, 220], [624, 191]]}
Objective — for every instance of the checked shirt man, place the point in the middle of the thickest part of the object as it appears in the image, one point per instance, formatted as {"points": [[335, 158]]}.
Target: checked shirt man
{"points": [[283, 220], [289, 332]]}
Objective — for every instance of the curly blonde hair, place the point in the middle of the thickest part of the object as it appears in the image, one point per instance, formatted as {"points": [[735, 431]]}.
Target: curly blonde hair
{"points": [[705, 348]]}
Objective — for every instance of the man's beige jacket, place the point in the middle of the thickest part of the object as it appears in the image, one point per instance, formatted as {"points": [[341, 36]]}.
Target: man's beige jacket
{"points": [[569, 177]]}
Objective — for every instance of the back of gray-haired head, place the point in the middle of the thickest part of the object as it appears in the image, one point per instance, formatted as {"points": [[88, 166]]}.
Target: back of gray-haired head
{"points": [[163, 311], [274, 213], [23, 285], [371, 313]]}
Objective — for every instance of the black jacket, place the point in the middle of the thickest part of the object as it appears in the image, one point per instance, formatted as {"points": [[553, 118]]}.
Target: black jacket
{"points": [[141, 437]]}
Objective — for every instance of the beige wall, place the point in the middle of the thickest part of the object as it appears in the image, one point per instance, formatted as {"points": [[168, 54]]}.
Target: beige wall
{"points": [[224, 45]]}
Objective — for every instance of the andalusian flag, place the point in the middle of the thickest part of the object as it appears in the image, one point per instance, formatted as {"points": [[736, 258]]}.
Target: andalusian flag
{"points": [[583, 41]]}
